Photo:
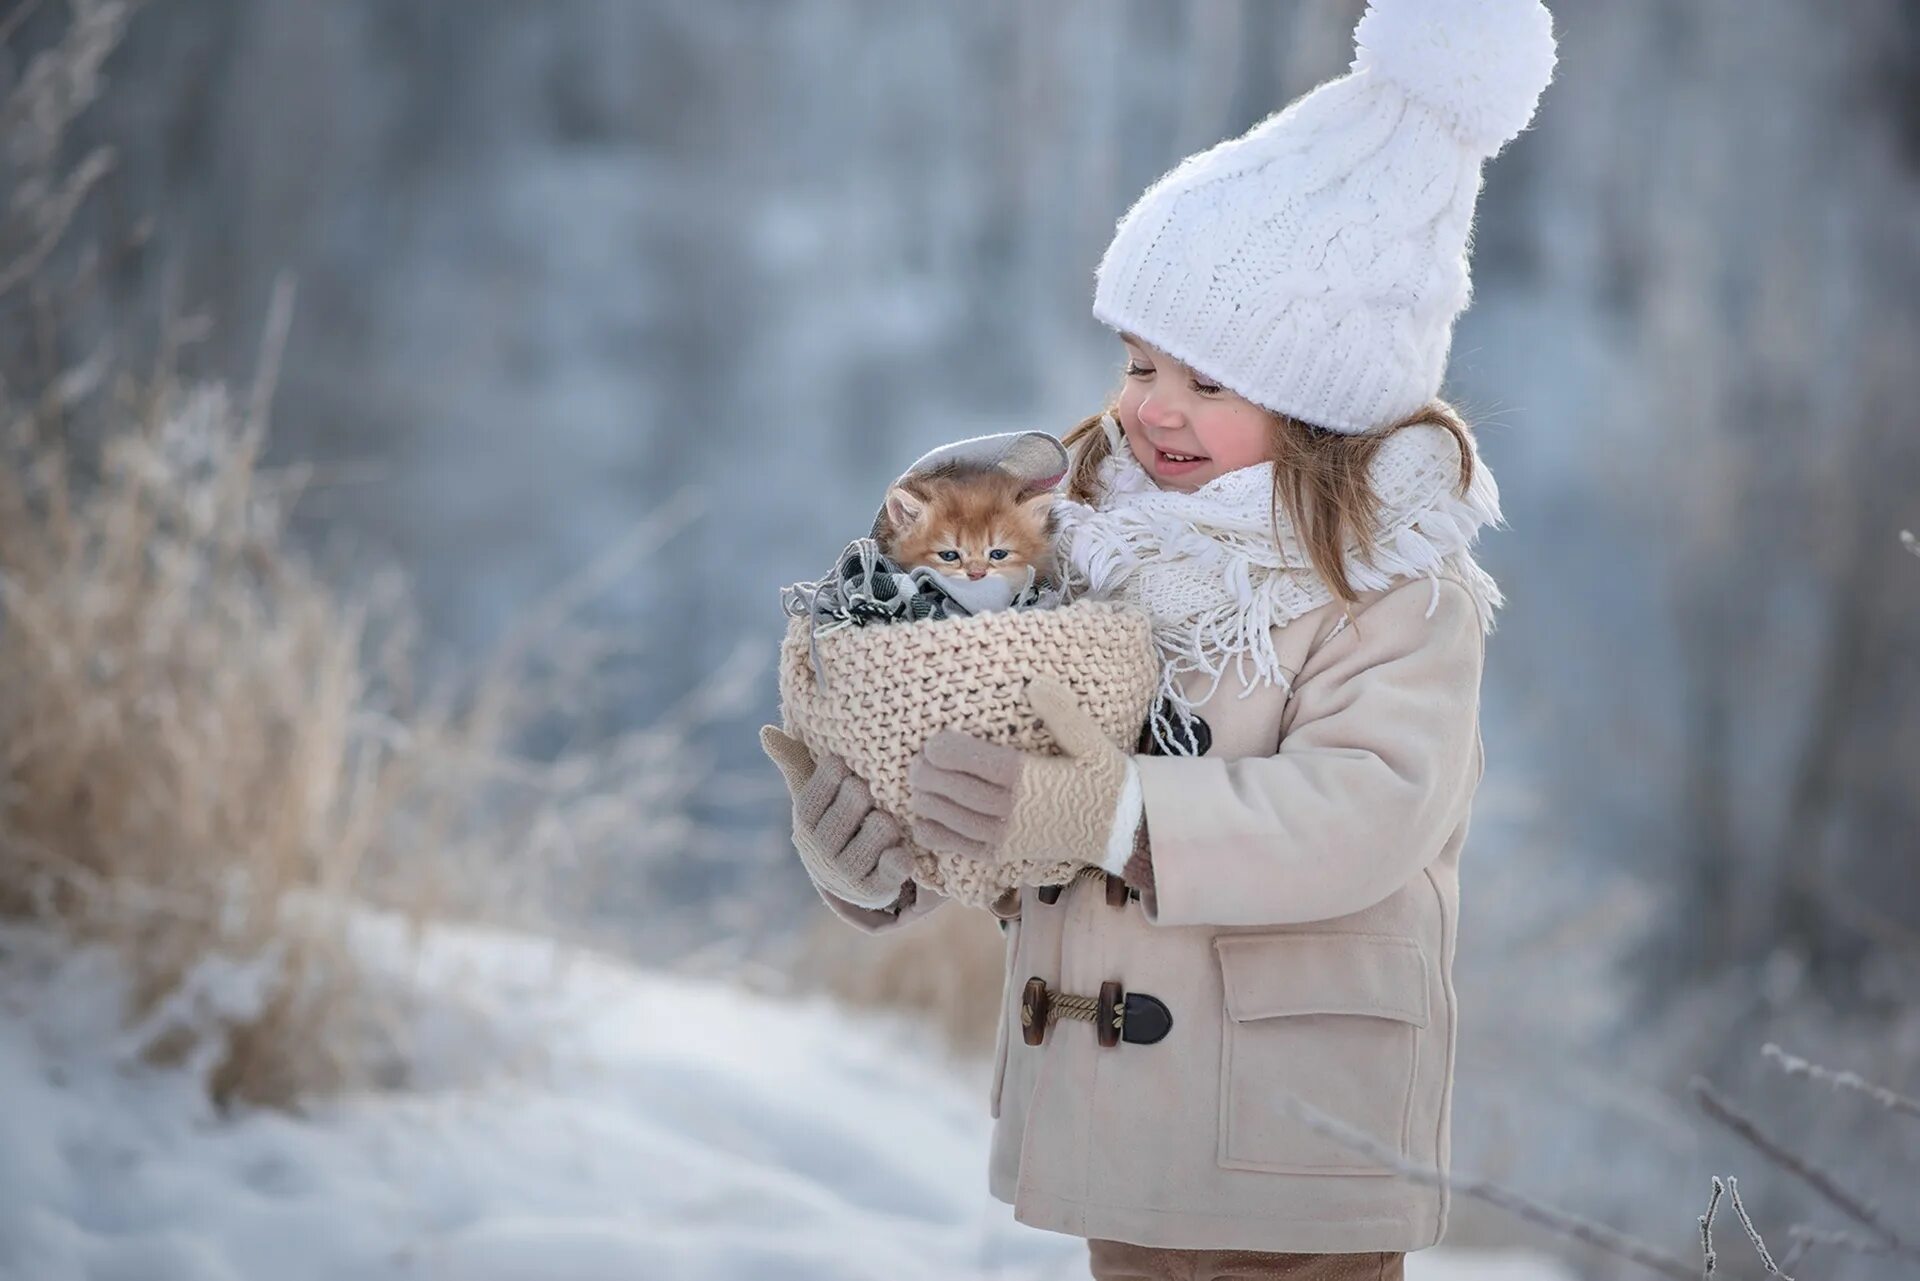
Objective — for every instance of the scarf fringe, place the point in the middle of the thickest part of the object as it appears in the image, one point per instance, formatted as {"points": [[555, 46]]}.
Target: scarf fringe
{"points": [[1227, 531]]}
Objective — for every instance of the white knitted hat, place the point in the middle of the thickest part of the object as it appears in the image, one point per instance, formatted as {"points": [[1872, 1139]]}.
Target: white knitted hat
{"points": [[1316, 263]]}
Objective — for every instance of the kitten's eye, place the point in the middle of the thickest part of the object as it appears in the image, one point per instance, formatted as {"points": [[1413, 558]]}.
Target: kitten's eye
{"points": [[949, 555], [998, 553], [1205, 389], [1137, 370]]}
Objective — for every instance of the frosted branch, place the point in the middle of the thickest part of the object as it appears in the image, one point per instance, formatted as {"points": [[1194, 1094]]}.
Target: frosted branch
{"points": [[1805, 1237], [1586, 1231], [1865, 1213], [1793, 1065], [1753, 1233], [1711, 1261], [1707, 1257]]}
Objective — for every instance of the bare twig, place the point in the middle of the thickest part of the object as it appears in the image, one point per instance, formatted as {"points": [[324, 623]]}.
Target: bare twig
{"points": [[60, 82], [1586, 1231], [1717, 1106], [1793, 1065], [1753, 1233], [1731, 1187], [1805, 1237], [58, 214], [273, 346], [1707, 1257]]}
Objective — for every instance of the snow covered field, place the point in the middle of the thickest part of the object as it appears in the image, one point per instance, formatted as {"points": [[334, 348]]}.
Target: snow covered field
{"points": [[567, 1119]]}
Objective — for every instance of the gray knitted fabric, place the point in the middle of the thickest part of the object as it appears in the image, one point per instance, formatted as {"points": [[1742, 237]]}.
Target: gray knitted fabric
{"points": [[866, 587]]}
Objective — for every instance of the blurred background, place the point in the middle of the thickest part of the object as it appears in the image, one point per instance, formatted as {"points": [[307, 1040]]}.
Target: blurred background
{"points": [[585, 326]]}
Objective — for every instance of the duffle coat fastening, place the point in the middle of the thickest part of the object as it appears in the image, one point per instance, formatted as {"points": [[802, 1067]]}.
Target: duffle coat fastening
{"points": [[1301, 933]]}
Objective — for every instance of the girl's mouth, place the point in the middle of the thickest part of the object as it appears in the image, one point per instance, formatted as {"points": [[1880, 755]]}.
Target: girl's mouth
{"points": [[1172, 464]]}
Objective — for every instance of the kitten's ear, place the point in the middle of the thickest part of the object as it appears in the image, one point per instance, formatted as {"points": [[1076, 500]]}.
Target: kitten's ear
{"points": [[1039, 504], [904, 509]]}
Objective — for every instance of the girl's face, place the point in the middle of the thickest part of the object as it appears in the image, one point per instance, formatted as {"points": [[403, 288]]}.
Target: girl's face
{"points": [[1184, 429]]}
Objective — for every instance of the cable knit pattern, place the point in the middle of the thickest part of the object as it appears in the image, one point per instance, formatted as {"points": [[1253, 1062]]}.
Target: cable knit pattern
{"points": [[887, 691], [1316, 263]]}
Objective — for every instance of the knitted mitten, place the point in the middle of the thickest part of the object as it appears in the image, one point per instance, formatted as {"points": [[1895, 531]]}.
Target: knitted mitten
{"points": [[1139, 870], [987, 801], [850, 848]]}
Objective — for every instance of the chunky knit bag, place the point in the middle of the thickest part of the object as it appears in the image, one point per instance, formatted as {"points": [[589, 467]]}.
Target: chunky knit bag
{"points": [[885, 690]]}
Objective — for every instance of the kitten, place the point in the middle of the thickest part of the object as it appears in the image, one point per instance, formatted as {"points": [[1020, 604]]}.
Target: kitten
{"points": [[968, 522]]}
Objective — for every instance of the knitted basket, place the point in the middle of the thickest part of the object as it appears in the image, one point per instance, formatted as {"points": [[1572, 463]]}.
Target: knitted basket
{"points": [[891, 687]]}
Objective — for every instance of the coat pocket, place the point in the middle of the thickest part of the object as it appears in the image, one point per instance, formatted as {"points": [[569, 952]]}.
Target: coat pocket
{"points": [[1009, 1010], [1333, 1019]]}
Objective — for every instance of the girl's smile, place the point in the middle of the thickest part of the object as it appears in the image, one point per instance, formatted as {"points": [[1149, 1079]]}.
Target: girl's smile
{"points": [[1171, 465]]}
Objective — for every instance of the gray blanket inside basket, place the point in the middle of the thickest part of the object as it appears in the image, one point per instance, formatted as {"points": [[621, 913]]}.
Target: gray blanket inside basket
{"points": [[866, 587]]}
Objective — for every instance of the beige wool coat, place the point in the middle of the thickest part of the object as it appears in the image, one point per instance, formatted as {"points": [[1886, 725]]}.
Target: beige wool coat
{"points": [[1301, 931]]}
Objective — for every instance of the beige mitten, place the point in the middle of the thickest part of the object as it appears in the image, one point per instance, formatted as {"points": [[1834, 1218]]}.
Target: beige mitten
{"points": [[851, 848], [987, 801]]}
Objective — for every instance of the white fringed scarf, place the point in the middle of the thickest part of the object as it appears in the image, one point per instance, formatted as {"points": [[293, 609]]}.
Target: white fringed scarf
{"points": [[1208, 567]]}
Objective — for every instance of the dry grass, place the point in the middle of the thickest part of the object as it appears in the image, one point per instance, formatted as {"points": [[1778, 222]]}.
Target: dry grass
{"points": [[211, 754], [179, 706]]}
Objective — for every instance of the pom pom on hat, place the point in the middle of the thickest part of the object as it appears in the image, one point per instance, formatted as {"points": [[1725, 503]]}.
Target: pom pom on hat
{"points": [[1316, 263], [1480, 64]]}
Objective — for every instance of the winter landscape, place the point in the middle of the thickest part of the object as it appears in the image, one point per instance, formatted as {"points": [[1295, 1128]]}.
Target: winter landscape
{"points": [[412, 411]]}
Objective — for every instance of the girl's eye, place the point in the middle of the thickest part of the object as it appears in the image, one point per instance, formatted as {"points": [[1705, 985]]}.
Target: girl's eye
{"points": [[1135, 370], [998, 553], [1205, 389], [949, 555]]}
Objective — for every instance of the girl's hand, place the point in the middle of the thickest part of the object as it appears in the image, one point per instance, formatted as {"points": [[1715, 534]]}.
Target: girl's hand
{"points": [[851, 848], [981, 800]]}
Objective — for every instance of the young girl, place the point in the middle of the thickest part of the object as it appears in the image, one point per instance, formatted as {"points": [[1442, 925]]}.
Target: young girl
{"points": [[1225, 1040]]}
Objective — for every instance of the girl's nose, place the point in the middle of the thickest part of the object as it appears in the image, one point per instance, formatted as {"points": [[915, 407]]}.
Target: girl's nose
{"points": [[1154, 413]]}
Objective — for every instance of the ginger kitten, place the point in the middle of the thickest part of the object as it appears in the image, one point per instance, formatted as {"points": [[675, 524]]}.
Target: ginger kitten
{"points": [[967, 522]]}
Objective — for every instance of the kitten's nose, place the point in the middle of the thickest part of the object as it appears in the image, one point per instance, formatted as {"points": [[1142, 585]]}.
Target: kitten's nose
{"points": [[976, 572]]}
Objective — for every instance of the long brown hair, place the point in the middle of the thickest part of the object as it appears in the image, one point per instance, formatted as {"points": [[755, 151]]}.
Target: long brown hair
{"points": [[1320, 479]]}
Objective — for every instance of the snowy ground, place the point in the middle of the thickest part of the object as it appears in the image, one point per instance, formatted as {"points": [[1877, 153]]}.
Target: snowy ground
{"points": [[570, 1120]]}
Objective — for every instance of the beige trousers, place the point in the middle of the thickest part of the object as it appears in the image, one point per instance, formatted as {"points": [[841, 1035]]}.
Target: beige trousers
{"points": [[1118, 1261]]}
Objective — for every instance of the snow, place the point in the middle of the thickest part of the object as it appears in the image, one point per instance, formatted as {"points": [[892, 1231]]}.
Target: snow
{"points": [[567, 1119]]}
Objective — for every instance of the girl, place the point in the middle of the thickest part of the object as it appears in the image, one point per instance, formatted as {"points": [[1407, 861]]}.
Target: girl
{"points": [[1264, 929]]}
